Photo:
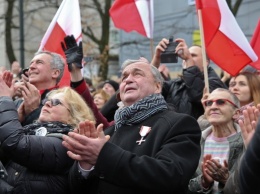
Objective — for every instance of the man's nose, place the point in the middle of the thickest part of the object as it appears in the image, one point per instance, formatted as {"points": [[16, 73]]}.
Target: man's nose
{"points": [[129, 78]]}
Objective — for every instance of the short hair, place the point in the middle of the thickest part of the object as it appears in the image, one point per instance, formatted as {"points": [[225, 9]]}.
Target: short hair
{"points": [[79, 110], [207, 57], [57, 62], [104, 95], [155, 72], [234, 98]]}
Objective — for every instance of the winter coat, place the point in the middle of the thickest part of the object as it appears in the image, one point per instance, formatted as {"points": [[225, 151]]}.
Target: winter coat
{"points": [[162, 164], [185, 93], [38, 164]]}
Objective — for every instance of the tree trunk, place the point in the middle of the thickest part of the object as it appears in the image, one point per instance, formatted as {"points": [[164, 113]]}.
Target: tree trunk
{"points": [[8, 31]]}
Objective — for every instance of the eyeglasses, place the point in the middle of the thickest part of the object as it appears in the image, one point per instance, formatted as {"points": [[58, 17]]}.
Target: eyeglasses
{"points": [[54, 102], [219, 102]]}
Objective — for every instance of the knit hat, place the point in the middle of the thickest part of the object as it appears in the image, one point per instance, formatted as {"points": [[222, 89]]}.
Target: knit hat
{"points": [[113, 83]]}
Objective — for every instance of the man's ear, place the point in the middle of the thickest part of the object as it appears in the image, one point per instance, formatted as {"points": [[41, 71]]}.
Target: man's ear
{"points": [[158, 88], [55, 73]]}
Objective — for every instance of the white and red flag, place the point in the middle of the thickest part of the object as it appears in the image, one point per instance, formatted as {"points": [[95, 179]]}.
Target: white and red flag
{"points": [[134, 15], [255, 43], [67, 21], [225, 42]]}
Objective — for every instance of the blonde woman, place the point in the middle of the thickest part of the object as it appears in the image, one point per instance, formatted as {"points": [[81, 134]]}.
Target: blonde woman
{"points": [[37, 161]]}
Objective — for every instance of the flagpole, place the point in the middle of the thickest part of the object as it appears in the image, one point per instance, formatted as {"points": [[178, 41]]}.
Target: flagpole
{"points": [[204, 60], [151, 47]]}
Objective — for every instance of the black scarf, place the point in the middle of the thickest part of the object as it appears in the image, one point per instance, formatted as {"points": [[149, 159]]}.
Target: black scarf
{"points": [[140, 110], [49, 127]]}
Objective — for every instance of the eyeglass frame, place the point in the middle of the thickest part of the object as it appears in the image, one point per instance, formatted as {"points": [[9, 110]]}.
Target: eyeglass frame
{"points": [[54, 102], [225, 100]]}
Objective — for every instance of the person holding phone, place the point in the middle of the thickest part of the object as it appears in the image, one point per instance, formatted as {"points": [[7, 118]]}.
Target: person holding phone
{"points": [[185, 92]]}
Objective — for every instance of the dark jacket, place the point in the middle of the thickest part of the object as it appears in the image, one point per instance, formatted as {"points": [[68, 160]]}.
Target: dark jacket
{"points": [[38, 164], [164, 163], [109, 108], [250, 168], [185, 93]]}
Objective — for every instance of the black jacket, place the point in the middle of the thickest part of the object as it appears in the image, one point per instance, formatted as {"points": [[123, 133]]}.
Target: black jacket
{"points": [[185, 93], [109, 108], [250, 166], [38, 164], [164, 163]]}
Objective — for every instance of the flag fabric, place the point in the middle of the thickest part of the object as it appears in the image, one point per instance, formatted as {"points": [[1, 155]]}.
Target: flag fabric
{"points": [[255, 43], [225, 43], [67, 21], [133, 15]]}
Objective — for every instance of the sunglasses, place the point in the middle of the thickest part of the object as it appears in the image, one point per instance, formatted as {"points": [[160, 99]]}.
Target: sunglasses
{"points": [[54, 102], [219, 102]]}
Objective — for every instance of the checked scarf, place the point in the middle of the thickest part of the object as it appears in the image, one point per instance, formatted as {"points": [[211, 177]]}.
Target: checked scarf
{"points": [[51, 127], [140, 110]]}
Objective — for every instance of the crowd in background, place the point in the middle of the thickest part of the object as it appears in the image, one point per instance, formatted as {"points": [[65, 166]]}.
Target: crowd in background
{"points": [[146, 133]]}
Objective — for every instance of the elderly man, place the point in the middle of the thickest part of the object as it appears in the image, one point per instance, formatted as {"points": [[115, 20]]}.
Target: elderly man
{"points": [[44, 74], [151, 149]]}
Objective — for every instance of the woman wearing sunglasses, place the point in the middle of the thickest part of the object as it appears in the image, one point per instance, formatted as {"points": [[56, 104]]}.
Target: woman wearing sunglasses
{"points": [[221, 143], [37, 161]]}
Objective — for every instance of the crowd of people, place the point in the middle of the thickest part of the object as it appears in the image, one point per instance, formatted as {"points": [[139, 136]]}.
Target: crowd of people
{"points": [[147, 133]]}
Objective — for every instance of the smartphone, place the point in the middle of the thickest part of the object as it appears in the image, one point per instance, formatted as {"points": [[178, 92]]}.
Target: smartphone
{"points": [[25, 72]]}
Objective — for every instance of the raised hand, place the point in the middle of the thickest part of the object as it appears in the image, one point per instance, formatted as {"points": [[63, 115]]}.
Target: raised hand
{"points": [[217, 171], [8, 78], [73, 52], [31, 96], [21, 112], [17, 89], [85, 149], [207, 179], [6, 87], [183, 52], [248, 124], [162, 45], [88, 129]]}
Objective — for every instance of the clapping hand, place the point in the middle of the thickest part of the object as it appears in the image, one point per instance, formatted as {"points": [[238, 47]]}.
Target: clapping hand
{"points": [[73, 52], [248, 124], [217, 171], [31, 96], [85, 145], [207, 179], [6, 86]]}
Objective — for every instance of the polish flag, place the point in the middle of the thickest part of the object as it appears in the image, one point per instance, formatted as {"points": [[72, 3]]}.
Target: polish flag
{"points": [[67, 21], [133, 15], [255, 43], [225, 42]]}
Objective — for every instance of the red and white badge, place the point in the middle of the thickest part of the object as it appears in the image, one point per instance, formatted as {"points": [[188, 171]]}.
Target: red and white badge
{"points": [[143, 132]]}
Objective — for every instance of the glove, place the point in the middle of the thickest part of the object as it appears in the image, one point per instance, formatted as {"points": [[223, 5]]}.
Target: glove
{"points": [[72, 51]]}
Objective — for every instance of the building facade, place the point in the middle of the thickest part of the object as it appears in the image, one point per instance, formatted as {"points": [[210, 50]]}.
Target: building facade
{"points": [[179, 18]]}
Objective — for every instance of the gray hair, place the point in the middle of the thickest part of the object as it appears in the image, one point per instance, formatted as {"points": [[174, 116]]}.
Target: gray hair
{"points": [[234, 98], [57, 62], [155, 72]]}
